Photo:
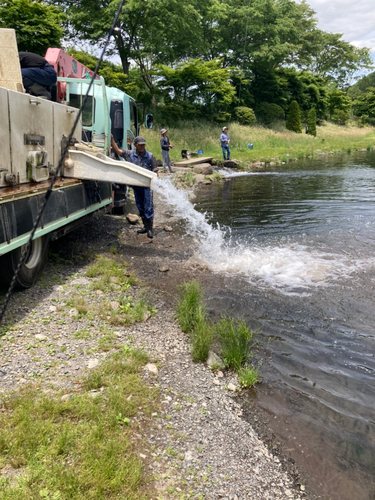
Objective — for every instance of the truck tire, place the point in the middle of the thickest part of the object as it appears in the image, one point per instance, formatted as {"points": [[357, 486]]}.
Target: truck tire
{"points": [[32, 267]]}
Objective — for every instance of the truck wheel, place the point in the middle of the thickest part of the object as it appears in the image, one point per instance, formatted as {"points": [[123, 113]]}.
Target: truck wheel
{"points": [[32, 267]]}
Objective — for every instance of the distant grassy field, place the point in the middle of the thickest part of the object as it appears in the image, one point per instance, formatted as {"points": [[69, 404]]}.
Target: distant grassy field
{"points": [[268, 144]]}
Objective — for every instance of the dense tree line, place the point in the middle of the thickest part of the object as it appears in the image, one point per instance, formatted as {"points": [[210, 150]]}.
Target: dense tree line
{"points": [[212, 58]]}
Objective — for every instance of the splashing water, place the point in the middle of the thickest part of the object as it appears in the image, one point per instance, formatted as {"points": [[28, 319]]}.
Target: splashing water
{"points": [[284, 266]]}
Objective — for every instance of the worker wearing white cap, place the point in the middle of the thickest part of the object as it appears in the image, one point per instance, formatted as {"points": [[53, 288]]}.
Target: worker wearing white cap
{"points": [[224, 140], [165, 147]]}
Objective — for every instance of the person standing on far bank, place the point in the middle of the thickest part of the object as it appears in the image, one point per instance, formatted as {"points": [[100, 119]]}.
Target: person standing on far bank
{"points": [[165, 147], [224, 140], [143, 196]]}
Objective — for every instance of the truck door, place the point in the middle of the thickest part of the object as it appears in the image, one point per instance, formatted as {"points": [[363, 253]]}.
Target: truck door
{"points": [[133, 118], [117, 120]]}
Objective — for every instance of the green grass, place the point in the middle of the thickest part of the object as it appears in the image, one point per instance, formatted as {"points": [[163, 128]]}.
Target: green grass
{"points": [[190, 305], [233, 335], [269, 144], [235, 338], [80, 447]]}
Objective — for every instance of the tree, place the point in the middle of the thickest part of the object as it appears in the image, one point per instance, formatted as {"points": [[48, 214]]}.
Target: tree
{"points": [[293, 120], [198, 82], [37, 25], [149, 33], [339, 101], [337, 59], [311, 122], [364, 105]]}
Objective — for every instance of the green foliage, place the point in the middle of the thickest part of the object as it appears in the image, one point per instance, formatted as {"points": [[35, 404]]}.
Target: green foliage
{"points": [[311, 122], [112, 73], [235, 338], [245, 116], [248, 376], [201, 337], [340, 116], [293, 120], [190, 306], [37, 25], [338, 100], [191, 314], [222, 117], [198, 81], [362, 85], [267, 113], [364, 105]]}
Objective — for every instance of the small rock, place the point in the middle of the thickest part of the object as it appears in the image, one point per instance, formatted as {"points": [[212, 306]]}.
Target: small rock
{"points": [[99, 292], [146, 316], [288, 493], [114, 305], [168, 229], [92, 363], [66, 397], [188, 456], [302, 487], [163, 269], [73, 312], [220, 374], [214, 360], [132, 218], [52, 308], [203, 168], [232, 387], [231, 163], [39, 336], [142, 456], [151, 369]]}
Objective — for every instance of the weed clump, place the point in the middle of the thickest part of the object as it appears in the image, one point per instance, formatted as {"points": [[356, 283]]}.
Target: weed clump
{"points": [[234, 336]]}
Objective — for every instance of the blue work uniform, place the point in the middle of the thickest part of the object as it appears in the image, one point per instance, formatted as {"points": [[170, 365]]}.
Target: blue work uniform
{"points": [[142, 195]]}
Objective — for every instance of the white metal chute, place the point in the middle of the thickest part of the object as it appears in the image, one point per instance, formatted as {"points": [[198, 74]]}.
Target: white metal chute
{"points": [[85, 166]]}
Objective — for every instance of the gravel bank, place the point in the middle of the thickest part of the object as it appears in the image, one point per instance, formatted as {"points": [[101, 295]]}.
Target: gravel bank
{"points": [[198, 445]]}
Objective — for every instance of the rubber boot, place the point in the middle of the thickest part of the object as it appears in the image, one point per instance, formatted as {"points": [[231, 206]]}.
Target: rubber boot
{"points": [[143, 230], [149, 228]]}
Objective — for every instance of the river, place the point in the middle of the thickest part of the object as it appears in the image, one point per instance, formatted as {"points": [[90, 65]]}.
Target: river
{"points": [[298, 243]]}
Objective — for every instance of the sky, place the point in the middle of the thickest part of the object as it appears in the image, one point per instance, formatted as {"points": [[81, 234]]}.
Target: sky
{"points": [[355, 19]]}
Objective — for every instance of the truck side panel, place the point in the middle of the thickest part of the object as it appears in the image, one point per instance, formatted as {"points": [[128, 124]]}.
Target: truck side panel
{"points": [[4, 138]]}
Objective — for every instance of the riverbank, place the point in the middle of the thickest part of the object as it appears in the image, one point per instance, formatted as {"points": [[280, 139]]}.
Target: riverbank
{"points": [[196, 442], [268, 145]]}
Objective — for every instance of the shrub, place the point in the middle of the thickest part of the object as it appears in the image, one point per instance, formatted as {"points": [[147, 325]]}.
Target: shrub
{"points": [[311, 122], [267, 113], [245, 116], [340, 116], [293, 120]]}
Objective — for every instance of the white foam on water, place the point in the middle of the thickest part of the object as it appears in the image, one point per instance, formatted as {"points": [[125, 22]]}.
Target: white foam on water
{"points": [[285, 266], [227, 172]]}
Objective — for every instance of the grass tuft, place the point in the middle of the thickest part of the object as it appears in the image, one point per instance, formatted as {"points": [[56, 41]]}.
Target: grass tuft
{"points": [[235, 338]]}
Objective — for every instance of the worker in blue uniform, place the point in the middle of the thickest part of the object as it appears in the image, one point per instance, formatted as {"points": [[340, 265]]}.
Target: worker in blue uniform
{"points": [[143, 196]]}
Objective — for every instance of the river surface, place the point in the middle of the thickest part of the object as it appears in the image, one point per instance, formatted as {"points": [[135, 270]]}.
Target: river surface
{"points": [[298, 244]]}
